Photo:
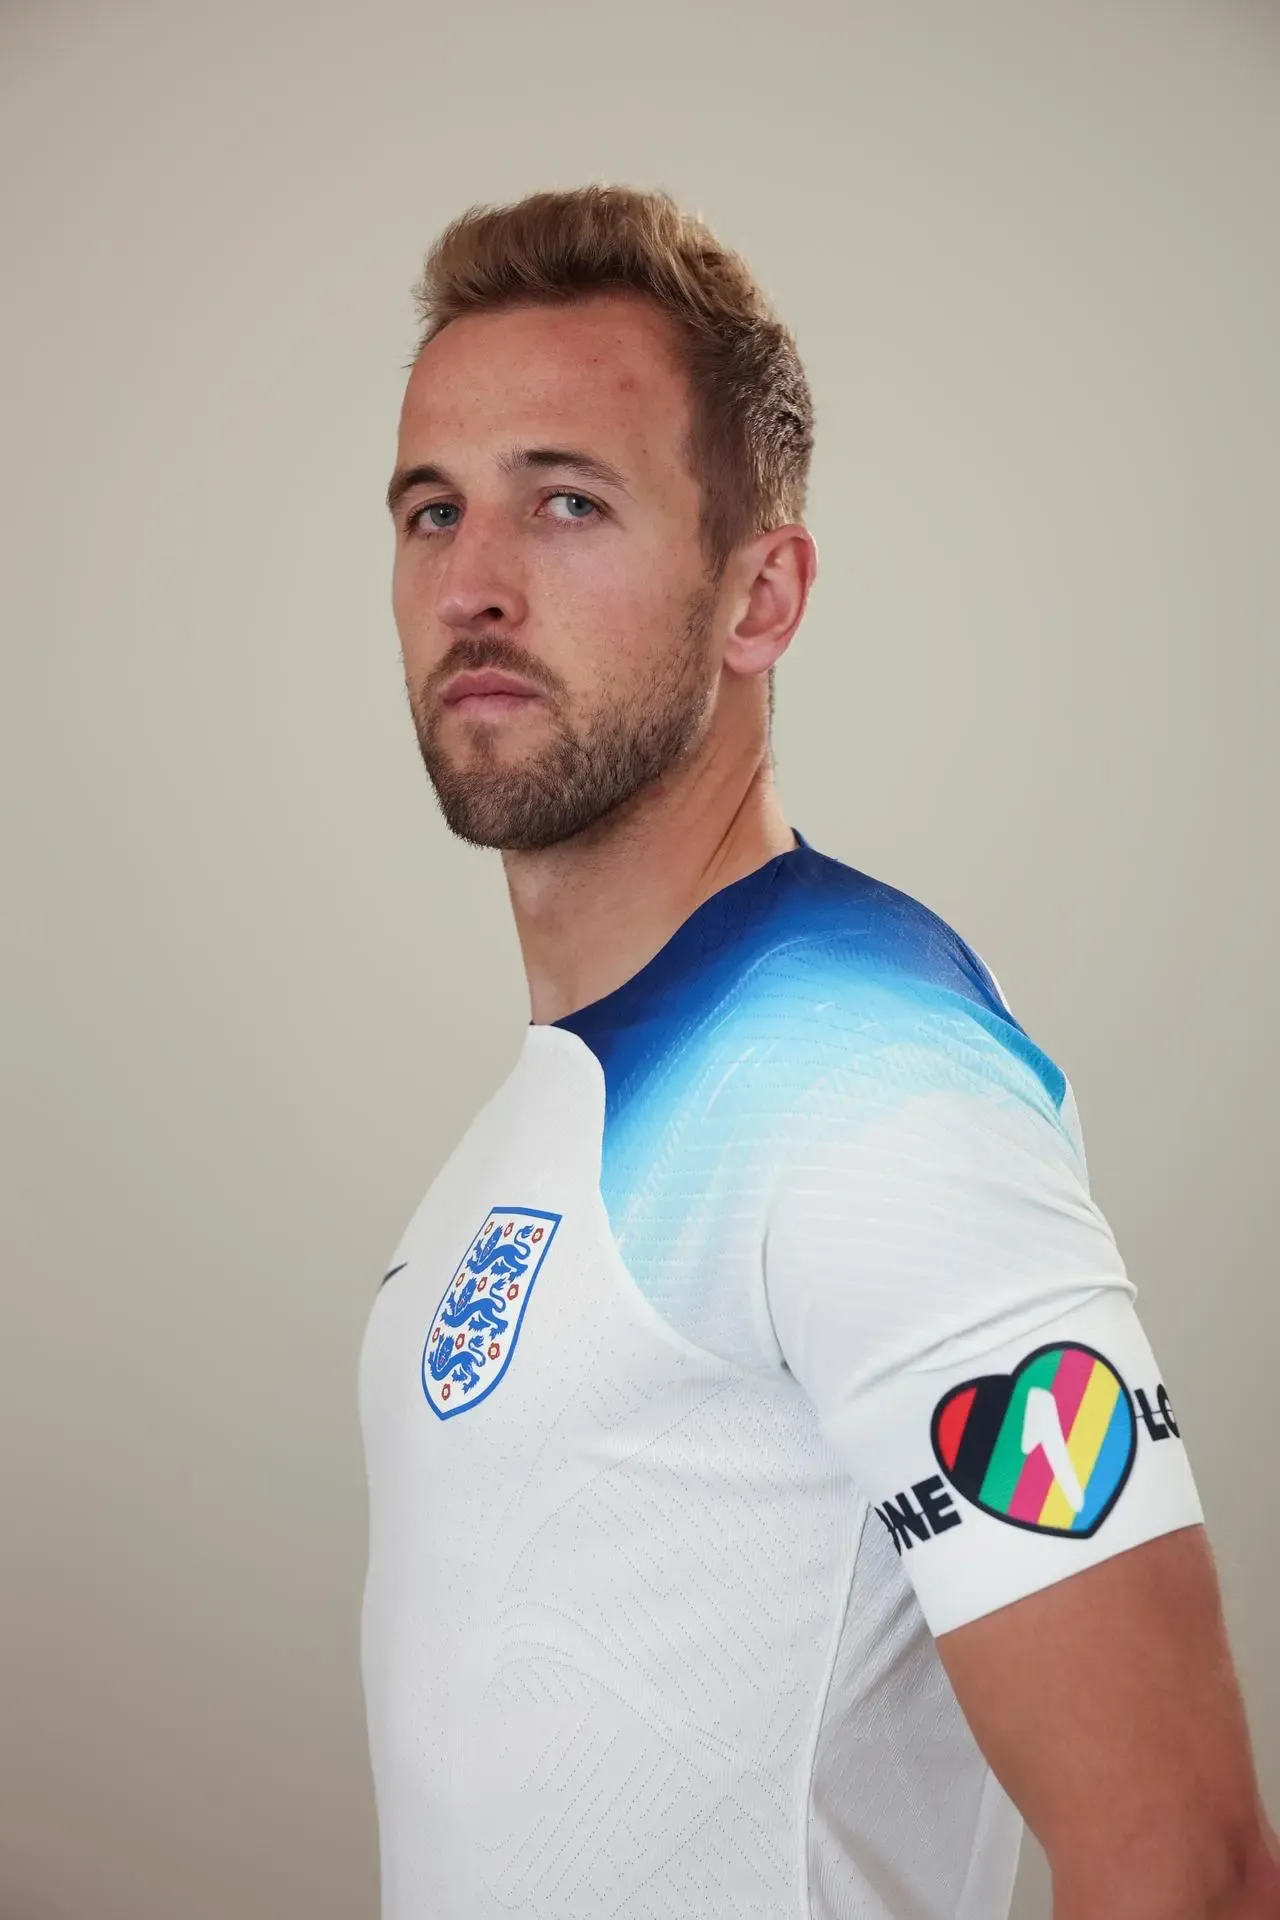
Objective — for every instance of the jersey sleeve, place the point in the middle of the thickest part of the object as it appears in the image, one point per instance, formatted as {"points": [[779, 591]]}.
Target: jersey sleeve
{"points": [[945, 1290]]}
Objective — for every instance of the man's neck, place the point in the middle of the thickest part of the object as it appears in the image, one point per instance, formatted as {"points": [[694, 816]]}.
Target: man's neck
{"points": [[590, 912]]}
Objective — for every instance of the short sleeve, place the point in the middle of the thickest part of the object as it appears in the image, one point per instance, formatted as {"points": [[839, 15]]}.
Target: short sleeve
{"points": [[946, 1291]]}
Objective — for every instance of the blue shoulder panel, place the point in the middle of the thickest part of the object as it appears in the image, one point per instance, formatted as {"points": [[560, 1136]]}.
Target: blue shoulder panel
{"points": [[803, 996], [804, 927]]}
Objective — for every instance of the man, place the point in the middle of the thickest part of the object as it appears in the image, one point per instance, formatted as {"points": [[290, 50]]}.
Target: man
{"points": [[773, 1493]]}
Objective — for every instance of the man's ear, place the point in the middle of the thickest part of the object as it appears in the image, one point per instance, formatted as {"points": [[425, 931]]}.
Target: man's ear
{"points": [[771, 576]]}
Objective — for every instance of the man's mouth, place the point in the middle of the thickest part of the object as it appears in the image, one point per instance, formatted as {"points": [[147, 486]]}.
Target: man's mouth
{"points": [[488, 692]]}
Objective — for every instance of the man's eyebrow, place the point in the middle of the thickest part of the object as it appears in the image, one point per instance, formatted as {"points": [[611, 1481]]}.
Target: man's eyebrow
{"points": [[520, 459], [588, 464], [404, 479]]}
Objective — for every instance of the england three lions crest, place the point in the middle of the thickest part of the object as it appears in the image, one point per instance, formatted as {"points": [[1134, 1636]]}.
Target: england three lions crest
{"points": [[474, 1332]]}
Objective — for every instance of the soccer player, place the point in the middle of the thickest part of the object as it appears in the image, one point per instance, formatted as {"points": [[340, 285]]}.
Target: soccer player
{"points": [[774, 1498]]}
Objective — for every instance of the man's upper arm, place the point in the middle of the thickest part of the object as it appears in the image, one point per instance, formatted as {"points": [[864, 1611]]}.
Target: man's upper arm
{"points": [[946, 1291], [944, 1288], [1108, 1709]]}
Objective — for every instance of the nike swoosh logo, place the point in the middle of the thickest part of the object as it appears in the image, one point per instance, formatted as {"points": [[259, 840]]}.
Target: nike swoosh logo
{"points": [[390, 1276]]}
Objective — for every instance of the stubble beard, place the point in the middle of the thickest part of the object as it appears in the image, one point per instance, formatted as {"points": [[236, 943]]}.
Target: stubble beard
{"points": [[579, 777]]}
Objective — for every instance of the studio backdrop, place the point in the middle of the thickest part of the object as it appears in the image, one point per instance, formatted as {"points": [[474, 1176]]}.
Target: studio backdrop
{"points": [[253, 989]]}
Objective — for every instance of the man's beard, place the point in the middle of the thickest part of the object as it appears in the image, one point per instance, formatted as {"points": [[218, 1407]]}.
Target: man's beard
{"points": [[577, 778]]}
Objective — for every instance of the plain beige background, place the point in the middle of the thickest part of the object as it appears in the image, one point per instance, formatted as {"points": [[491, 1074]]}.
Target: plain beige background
{"points": [[1030, 254]]}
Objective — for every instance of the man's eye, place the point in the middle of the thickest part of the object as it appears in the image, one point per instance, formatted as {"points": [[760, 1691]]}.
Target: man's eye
{"points": [[579, 499], [415, 519], [418, 522]]}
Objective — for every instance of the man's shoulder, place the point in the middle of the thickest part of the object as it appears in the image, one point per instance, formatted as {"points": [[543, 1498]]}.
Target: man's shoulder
{"points": [[808, 975], [848, 976], [832, 923]]}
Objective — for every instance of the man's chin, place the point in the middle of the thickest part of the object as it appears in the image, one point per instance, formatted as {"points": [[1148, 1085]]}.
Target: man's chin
{"points": [[486, 813], [514, 821], [503, 837]]}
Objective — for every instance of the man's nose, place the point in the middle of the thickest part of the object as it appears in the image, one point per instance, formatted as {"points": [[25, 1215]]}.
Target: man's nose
{"points": [[480, 580]]}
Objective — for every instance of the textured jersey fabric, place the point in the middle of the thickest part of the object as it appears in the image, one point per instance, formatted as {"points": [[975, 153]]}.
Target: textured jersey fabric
{"points": [[759, 1330]]}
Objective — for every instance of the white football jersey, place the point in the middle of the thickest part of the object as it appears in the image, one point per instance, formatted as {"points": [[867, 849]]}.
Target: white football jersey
{"points": [[759, 1329]]}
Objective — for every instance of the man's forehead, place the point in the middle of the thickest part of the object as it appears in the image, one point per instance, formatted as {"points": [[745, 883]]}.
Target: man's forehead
{"points": [[538, 372]]}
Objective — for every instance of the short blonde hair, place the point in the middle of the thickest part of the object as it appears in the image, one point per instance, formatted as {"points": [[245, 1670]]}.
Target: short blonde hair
{"points": [[751, 414]]}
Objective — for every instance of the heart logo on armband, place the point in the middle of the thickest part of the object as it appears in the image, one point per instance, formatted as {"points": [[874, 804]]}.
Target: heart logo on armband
{"points": [[1048, 1447]]}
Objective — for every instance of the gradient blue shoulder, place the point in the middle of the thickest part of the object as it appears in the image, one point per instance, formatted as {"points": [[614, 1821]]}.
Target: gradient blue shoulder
{"points": [[876, 960], [804, 962]]}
